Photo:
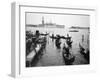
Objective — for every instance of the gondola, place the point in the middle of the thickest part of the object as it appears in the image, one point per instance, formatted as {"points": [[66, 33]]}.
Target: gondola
{"points": [[53, 37], [58, 45], [85, 54], [63, 37], [69, 43], [68, 57], [43, 34], [82, 50]]}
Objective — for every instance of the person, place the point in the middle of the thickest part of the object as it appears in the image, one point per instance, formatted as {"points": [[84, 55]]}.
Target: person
{"points": [[82, 38], [37, 33], [69, 41], [66, 50], [68, 38], [52, 37]]}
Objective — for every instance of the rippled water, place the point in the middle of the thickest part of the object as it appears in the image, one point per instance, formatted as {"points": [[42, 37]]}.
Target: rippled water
{"points": [[52, 55]]}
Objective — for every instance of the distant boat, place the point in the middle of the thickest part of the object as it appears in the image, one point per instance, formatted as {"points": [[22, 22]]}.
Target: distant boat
{"points": [[73, 31], [77, 27]]}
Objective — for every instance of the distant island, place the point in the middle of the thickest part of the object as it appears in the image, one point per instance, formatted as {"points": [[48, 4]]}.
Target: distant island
{"points": [[44, 24]]}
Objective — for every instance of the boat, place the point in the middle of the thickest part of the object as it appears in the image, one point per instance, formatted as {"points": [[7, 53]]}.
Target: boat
{"points": [[53, 37], [73, 31], [68, 57], [63, 37], [82, 49], [69, 43], [85, 53]]}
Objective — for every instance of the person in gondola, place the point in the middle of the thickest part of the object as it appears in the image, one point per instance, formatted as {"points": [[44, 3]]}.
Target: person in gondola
{"points": [[37, 34], [68, 38], [69, 41], [52, 37], [58, 41], [66, 50], [82, 38]]}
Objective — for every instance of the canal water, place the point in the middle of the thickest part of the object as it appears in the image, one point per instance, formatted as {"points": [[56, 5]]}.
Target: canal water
{"points": [[53, 56]]}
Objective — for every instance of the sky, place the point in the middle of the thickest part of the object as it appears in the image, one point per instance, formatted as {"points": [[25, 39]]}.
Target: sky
{"points": [[67, 20]]}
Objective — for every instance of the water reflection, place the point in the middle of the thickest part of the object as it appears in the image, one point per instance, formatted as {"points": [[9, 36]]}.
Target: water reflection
{"points": [[49, 49]]}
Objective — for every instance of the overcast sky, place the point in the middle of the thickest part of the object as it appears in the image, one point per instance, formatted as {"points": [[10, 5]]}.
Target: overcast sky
{"points": [[67, 20]]}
